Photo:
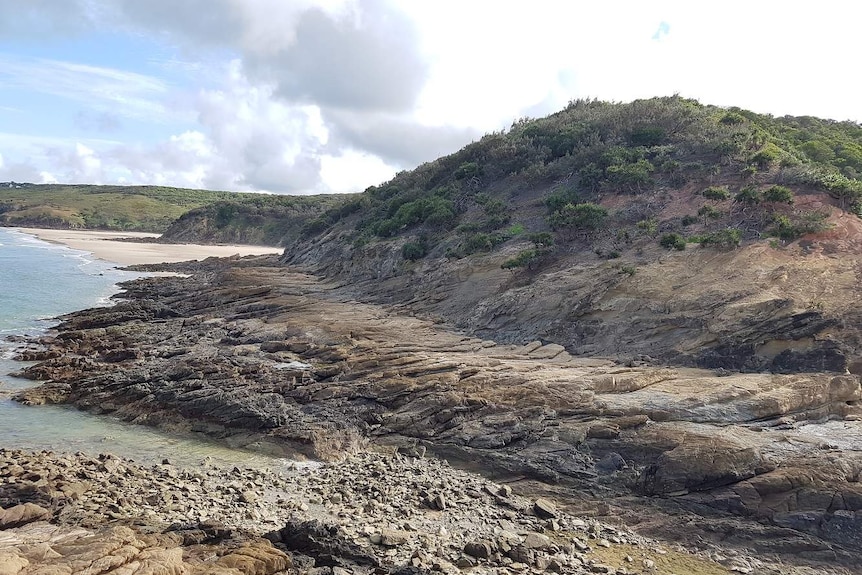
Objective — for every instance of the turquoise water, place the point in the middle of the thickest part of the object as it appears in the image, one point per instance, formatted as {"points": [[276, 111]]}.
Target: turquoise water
{"points": [[38, 282]]}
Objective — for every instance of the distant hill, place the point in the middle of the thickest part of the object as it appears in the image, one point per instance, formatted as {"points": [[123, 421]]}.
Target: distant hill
{"points": [[216, 216]]}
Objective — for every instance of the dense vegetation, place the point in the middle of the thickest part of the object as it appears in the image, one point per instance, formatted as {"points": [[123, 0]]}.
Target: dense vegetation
{"points": [[611, 177], [595, 178], [251, 219]]}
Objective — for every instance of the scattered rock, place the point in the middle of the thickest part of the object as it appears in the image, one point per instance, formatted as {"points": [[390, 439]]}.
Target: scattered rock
{"points": [[545, 509]]}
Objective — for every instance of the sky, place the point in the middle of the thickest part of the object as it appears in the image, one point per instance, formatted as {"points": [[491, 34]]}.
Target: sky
{"points": [[319, 96]]}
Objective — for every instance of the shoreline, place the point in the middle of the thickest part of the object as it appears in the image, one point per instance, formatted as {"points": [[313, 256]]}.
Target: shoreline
{"points": [[107, 246], [371, 377]]}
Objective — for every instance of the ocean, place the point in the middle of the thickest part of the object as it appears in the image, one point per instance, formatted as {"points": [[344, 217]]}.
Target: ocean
{"points": [[38, 282]]}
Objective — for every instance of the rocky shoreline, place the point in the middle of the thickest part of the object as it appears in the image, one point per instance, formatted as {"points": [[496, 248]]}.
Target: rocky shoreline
{"points": [[371, 513], [258, 356]]}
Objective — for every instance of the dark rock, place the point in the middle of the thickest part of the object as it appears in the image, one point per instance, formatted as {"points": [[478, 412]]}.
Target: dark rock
{"points": [[545, 509], [326, 543], [479, 549]]}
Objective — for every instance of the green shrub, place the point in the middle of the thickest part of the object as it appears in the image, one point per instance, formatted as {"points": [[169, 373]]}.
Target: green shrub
{"points": [[558, 199], [767, 156], [586, 216], [385, 228], [414, 250], [778, 195], [467, 170], [726, 239], [732, 119], [515, 230], [481, 242], [590, 176], [648, 136], [728, 148], [689, 220], [672, 241], [818, 151], [748, 196], [523, 259], [495, 207], [717, 193], [648, 226], [789, 229], [631, 175], [542, 239], [314, 227], [710, 212]]}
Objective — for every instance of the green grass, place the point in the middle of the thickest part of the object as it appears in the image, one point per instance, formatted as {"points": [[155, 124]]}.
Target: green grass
{"points": [[235, 216], [133, 208]]}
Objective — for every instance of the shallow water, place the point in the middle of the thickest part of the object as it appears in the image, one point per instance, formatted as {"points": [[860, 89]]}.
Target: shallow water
{"points": [[39, 281]]}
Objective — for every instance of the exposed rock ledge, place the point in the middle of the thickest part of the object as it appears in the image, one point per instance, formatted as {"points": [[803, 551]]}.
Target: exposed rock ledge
{"points": [[266, 358]]}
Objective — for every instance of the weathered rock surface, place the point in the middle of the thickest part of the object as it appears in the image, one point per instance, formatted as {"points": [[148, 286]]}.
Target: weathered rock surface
{"points": [[136, 520], [283, 361], [795, 309]]}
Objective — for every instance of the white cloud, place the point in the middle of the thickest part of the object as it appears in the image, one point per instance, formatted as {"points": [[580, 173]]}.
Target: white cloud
{"points": [[353, 171], [317, 95]]}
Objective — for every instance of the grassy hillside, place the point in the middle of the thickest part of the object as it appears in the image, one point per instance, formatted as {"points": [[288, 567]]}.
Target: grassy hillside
{"points": [[608, 176], [138, 208]]}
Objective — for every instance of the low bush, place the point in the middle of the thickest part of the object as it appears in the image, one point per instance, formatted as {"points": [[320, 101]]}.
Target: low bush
{"points": [[689, 220], [778, 195], [586, 216], [748, 196], [523, 259], [709, 212], [728, 238], [672, 241], [414, 250], [717, 193]]}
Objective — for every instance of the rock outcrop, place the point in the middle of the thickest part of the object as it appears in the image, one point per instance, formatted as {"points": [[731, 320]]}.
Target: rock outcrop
{"points": [[288, 363]]}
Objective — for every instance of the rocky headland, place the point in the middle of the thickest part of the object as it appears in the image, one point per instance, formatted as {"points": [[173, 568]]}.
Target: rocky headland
{"points": [[732, 464], [648, 313]]}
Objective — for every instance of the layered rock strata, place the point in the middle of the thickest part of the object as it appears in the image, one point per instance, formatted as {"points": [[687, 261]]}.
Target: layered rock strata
{"points": [[261, 357]]}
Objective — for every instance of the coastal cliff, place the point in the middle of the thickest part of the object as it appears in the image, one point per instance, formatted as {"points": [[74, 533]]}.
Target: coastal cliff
{"points": [[646, 312]]}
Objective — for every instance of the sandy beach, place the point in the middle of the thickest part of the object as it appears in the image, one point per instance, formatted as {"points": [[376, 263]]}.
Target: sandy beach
{"points": [[105, 245]]}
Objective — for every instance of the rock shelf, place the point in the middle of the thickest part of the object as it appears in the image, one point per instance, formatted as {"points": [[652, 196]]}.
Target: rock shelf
{"points": [[257, 356]]}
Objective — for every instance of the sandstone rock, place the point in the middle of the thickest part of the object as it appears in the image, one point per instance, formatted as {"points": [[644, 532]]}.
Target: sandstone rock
{"points": [[537, 541], [393, 537], [12, 563], [22, 514]]}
